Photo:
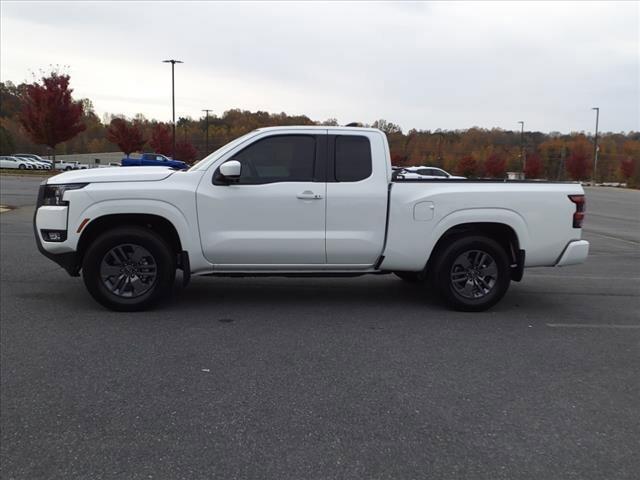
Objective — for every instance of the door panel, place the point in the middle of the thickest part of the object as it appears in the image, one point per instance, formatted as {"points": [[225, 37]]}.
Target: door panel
{"points": [[267, 220], [356, 199]]}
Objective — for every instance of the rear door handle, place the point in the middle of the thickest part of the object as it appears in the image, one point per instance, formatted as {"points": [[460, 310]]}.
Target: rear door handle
{"points": [[309, 195]]}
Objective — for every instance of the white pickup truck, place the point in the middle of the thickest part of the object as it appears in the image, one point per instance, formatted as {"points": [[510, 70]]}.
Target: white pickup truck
{"points": [[303, 201]]}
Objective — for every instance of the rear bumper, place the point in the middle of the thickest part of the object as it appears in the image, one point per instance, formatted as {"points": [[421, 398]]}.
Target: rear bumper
{"points": [[574, 253]]}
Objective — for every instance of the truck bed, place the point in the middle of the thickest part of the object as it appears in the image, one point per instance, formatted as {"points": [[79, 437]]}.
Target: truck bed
{"points": [[422, 210]]}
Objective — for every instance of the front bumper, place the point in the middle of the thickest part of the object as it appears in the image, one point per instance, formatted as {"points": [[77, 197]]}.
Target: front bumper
{"points": [[55, 218], [574, 253]]}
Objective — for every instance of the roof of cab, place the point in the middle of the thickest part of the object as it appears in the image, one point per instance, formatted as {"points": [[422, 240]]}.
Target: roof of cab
{"points": [[316, 127]]}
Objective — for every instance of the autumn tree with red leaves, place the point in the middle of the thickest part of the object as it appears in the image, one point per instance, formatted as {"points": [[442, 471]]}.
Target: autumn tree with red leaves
{"points": [[398, 160], [49, 114], [533, 167], [627, 168], [126, 135], [186, 152], [161, 139], [578, 164], [467, 166], [495, 166]]}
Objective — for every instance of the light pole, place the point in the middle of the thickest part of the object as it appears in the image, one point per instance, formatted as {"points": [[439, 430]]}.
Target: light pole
{"points": [[595, 146], [522, 159], [207, 110], [173, 102]]}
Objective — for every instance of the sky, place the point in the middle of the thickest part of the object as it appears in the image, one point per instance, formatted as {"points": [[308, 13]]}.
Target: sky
{"points": [[423, 65]]}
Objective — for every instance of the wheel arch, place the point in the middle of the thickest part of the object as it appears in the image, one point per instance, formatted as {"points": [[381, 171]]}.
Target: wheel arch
{"points": [[157, 223], [503, 233]]}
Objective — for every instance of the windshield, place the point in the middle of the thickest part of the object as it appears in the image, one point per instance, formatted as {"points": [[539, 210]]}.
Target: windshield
{"points": [[222, 149]]}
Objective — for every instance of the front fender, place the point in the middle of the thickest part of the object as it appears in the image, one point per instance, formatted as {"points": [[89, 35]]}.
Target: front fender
{"points": [[148, 207]]}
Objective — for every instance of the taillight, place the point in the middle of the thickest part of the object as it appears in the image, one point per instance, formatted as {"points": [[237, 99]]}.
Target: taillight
{"points": [[578, 216]]}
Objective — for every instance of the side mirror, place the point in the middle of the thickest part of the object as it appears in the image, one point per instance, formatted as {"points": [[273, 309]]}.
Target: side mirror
{"points": [[231, 169]]}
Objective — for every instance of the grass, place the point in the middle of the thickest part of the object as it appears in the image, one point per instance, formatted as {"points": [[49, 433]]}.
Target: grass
{"points": [[37, 173]]}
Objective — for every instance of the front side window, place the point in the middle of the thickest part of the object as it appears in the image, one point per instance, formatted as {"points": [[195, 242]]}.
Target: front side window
{"points": [[353, 158], [282, 158]]}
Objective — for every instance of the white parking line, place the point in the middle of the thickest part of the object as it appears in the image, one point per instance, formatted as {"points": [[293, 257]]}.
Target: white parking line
{"points": [[592, 325], [581, 277], [630, 242]]}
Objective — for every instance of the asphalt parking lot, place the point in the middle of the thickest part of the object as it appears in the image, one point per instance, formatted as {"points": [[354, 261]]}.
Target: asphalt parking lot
{"points": [[324, 378]]}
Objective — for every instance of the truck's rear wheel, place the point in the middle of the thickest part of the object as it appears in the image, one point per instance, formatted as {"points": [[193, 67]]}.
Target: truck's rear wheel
{"points": [[472, 273], [129, 269]]}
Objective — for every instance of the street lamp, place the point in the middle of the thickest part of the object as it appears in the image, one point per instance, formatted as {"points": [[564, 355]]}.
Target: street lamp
{"points": [[173, 102], [595, 146], [522, 144], [207, 110]]}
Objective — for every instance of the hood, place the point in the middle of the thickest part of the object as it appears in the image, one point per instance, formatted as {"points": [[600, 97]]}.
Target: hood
{"points": [[113, 174]]}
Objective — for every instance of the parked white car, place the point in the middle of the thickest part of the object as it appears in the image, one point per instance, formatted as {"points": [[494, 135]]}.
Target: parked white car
{"points": [[43, 165], [65, 166], [37, 158], [34, 164], [303, 201], [427, 173], [79, 166], [15, 162]]}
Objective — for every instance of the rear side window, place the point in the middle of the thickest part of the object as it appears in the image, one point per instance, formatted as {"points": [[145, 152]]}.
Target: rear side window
{"points": [[283, 158], [353, 158]]}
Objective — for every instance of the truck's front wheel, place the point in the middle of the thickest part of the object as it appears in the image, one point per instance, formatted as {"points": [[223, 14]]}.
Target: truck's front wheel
{"points": [[129, 269], [472, 273]]}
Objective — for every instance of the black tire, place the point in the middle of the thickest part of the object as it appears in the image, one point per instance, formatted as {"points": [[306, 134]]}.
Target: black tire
{"points": [[155, 256], [21, 167], [482, 284], [412, 277]]}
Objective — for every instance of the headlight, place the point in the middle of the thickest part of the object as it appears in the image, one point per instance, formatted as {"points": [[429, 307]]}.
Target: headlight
{"points": [[53, 194]]}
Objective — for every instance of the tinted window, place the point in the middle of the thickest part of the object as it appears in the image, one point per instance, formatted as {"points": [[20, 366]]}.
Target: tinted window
{"points": [[285, 158], [353, 158]]}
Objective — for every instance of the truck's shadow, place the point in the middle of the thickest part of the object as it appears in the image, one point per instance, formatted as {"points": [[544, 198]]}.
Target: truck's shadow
{"points": [[302, 292]]}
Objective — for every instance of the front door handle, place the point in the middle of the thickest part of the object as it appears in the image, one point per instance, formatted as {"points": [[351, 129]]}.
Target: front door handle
{"points": [[309, 195]]}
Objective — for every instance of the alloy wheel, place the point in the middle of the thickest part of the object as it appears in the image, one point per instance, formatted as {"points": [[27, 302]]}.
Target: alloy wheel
{"points": [[474, 274], [128, 270]]}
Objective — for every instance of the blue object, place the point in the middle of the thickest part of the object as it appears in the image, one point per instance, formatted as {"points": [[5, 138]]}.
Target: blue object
{"points": [[153, 160]]}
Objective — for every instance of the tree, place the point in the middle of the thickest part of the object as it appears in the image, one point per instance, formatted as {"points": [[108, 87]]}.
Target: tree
{"points": [[533, 167], [387, 127], [127, 136], [161, 139], [578, 164], [49, 113], [398, 160], [186, 152], [7, 145], [495, 166], [467, 166], [626, 168]]}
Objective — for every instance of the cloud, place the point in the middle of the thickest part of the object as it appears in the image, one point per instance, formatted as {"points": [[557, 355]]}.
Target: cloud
{"points": [[422, 65]]}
